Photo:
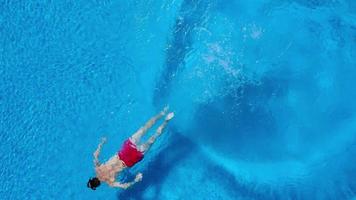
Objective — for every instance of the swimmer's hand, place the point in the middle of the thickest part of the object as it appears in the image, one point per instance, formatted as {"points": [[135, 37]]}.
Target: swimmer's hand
{"points": [[138, 177], [103, 140], [127, 185]]}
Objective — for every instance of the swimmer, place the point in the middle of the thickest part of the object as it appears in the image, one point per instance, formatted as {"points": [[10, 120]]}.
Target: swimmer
{"points": [[132, 152]]}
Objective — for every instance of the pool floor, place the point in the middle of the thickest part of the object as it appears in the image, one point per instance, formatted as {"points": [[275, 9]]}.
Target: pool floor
{"points": [[263, 94]]}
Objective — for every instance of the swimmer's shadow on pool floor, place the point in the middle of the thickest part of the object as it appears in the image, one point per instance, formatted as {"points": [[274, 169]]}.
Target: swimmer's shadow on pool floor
{"points": [[156, 171]]}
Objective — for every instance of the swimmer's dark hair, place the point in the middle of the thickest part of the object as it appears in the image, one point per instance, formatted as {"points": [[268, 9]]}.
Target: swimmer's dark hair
{"points": [[93, 183]]}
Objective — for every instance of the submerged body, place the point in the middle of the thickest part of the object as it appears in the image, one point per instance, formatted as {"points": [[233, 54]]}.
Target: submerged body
{"points": [[131, 153], [107, 172]]}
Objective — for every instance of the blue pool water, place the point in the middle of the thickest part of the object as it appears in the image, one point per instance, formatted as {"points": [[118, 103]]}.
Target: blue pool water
{"points": [[263, 92]]}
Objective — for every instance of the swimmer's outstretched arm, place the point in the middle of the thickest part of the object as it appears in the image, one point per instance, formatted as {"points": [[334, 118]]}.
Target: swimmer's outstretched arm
{"points": [[97, 152], [129, 184], [122, 185]]}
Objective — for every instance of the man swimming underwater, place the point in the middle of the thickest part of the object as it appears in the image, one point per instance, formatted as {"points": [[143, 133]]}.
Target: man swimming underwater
{"points": [[131, 153]]}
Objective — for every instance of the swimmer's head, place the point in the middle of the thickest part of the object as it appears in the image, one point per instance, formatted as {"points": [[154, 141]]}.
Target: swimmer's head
{"points": [[93, 183]]}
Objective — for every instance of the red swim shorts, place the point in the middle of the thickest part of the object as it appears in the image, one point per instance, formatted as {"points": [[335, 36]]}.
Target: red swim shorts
{"points": [[129, 153]]}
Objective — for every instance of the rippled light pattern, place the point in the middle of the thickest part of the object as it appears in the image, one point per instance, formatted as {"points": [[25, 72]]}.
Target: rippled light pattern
{"points": [[263, 91]]}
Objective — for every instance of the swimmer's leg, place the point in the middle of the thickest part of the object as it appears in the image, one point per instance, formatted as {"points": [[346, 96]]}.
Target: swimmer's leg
{"points": [[135, 138], [146, 146]]}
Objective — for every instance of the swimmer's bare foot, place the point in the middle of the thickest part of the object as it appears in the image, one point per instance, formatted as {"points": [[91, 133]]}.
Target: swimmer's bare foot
{"points": [[164, 111], [169, 116]]}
